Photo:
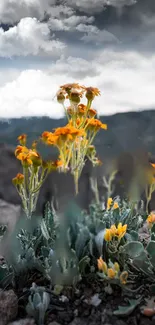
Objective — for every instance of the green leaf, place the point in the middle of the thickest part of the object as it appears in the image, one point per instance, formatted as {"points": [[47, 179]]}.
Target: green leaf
{"points": [[44, 230], [81, 242], [133, 249], [127, 310], [151, 250], [36, 300]]}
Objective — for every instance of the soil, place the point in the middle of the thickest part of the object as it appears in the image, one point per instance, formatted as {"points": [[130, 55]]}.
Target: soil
{"points": [[73, 307]]}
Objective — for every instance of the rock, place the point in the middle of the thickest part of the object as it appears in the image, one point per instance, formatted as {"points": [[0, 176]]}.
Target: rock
{"points": [[26, 321], [8, 306]]}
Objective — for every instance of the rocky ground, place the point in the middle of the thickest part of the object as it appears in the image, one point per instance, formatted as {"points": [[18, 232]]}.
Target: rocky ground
{"points": [[88, 304]]}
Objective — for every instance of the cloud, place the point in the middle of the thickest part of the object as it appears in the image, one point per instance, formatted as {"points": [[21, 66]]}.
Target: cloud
{"points": [[126, 80], [99, 36], [11, 11], [29, 37], [70, 23], [91, 6]]}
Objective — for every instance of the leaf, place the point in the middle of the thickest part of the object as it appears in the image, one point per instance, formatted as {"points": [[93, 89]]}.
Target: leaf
{"points": [[81, 242], [36, 300], [44, 230], [127, 310], [133, 249], [151, 248], [44, 251]]}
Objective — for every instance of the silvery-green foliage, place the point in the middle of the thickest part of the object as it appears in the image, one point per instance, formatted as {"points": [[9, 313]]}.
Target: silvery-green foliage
{"points": [[38, 303]]}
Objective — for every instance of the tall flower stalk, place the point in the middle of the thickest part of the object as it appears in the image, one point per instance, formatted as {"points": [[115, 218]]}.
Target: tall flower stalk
{"points": [[74, 141]]}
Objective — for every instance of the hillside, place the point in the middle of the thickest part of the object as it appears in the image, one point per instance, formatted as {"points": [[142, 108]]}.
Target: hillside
{"points": [[126, 131]]}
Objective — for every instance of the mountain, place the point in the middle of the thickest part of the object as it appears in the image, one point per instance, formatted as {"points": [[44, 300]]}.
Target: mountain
{"points": [[126, 132]]}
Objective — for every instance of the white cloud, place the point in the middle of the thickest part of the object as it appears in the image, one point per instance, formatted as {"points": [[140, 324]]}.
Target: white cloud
{"points": [[126, 80], [69, 23], [29, 37], [11, 11], [87, 29]]}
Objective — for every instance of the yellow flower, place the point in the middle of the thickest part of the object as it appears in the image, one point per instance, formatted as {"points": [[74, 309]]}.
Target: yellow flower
{"points": [[115, 206], [121, 230], [108, 235], [151, 219], [109, 203], [123, 277], [111, 273], [113, 230], [102, 266], [116, 267]]}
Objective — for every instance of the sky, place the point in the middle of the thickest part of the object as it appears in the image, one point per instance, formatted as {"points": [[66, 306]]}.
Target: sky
{"points": [[108, 44]]}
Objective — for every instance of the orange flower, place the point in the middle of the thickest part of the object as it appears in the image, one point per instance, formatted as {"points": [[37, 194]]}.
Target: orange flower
{"points": [[151, 219], [69, 130], [75, 96], [19, 179], [22, 139], [111, 273], [153, 165], [91, 92], [49, 138], [21, 149], [68, 87], [124, 277], [102, 266], [61, 96], [95, 124], [92, 112]]}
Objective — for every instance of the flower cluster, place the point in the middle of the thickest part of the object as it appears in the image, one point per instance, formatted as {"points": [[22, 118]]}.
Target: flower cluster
{"points": [[115, 232], [35, 170], [112, 271], [74, 140], [151, 219], [111, 203]]}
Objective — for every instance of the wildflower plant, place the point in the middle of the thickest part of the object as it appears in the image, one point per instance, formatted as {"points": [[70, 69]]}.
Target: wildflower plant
{"points": [[35, 171], [74, 141]]}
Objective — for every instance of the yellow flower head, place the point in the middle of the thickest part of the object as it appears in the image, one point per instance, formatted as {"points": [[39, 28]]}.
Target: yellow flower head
{"points": [[151, 219], [116, 267], [115, 206], [102, 266], [113, 230], [108, 235], [121, 230], [111, 273], [109, 203]]}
